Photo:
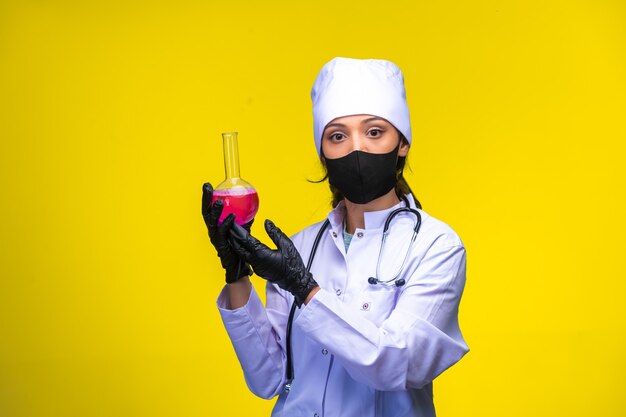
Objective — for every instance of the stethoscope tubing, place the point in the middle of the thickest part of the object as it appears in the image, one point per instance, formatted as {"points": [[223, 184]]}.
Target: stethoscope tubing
{"points": [[418, 223], [292, 312]]}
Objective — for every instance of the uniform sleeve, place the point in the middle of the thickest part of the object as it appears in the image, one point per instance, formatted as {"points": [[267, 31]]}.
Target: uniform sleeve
{"points": [[417, 342], [256, 333]]}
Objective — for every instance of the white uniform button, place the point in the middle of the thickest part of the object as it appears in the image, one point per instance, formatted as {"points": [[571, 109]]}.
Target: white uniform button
{"points": [[324, 352], [338, 292], [334, 234], [360, 234]]}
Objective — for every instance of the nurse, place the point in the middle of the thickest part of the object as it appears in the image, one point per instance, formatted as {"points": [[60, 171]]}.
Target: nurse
{"points": [[374, 324]]}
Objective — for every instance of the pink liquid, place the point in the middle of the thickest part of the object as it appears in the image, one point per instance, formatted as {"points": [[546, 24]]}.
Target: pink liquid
{"points": [[244, 202]]}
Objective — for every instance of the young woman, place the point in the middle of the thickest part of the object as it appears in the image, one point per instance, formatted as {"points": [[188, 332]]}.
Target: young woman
{"points": [[374, 317]]}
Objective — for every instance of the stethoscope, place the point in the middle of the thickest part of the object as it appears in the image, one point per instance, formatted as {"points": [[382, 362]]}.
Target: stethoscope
{"points": [[395, 281]]}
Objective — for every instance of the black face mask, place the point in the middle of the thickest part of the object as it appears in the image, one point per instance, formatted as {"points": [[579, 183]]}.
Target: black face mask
{"points": [[362, 177]]}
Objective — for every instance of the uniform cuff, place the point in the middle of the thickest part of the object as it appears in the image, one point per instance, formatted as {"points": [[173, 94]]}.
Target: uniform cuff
{"points": [[309, 315], [240, 321]]}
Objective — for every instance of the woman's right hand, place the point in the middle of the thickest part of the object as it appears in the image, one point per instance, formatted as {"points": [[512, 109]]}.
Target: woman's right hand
{"points": [[233, 264]]}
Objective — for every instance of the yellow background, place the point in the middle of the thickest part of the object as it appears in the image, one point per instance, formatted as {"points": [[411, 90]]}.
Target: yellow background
{"points": [[110, 121]]}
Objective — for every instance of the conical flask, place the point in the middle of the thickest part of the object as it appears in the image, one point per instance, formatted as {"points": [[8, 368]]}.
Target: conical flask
{"points": [[239, 197]]}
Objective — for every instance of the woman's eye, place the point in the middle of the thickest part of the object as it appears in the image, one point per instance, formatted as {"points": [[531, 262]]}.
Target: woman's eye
{"points": [[376, 132], [335, 136]]}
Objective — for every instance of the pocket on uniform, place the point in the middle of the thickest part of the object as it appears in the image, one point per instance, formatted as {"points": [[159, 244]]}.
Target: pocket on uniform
{"points": [[376, 302]]}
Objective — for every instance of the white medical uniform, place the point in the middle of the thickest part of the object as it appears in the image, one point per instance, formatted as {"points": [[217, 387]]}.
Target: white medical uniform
{"points": [[359, 350]]}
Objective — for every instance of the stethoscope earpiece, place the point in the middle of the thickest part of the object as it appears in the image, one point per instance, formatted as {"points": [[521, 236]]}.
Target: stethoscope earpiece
{"points": [[399, 282]]}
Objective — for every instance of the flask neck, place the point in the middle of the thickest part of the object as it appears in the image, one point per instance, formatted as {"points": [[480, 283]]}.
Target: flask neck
{"points": [[231, 155]]}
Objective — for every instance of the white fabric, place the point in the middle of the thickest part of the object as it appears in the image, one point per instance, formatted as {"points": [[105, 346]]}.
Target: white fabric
{"points": [[347, 86], [359, 350]]}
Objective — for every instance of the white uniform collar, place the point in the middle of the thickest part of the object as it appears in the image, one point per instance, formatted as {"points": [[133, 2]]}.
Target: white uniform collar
{"points": [[373, 219]]}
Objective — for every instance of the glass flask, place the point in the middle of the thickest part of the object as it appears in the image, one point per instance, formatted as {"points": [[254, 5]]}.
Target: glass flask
{"points": [[239, 197]]}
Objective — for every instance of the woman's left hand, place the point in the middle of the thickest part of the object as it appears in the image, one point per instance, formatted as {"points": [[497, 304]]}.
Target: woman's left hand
{"points": [[282, 266]]}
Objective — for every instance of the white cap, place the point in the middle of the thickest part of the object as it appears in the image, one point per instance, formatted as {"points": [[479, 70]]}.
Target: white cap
{"points": [[347, 86]]}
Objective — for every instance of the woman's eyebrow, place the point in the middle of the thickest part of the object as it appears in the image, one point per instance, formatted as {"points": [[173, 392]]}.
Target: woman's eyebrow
{"points": [[335, 125], [368, 120], [373, 119]]}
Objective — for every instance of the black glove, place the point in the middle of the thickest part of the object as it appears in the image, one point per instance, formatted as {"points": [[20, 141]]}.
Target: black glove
{"points": [[235, 266], [282, 266]]}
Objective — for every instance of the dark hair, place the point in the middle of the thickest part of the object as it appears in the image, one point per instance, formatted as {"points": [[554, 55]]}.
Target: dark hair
{"points": [[402, 186]]}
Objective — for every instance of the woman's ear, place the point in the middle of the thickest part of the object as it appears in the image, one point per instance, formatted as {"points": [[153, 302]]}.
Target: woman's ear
{"points": [[322, 158], [404, 147]]}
